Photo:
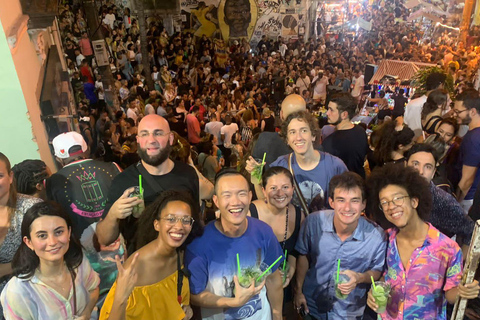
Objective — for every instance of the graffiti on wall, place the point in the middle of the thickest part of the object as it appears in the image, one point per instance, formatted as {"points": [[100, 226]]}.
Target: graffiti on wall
{"points": [[243, 19]]}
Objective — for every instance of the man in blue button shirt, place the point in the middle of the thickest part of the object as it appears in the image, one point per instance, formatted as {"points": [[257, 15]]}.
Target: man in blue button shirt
{"points": [[329, 235]]}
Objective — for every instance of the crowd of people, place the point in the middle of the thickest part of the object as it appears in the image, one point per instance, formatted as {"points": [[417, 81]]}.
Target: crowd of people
{"points": [[240, 186]]}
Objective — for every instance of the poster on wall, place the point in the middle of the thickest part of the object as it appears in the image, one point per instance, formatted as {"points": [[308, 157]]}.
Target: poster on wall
{"points": [[269, 25], [290, 24], [268, 6], [200, 18], [237, 19]]}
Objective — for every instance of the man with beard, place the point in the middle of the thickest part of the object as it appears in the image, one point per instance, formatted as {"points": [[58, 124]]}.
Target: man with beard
{"points": [[467, 111], [159, 173], [348, 141]]}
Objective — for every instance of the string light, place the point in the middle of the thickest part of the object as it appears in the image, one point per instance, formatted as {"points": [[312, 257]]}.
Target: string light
{"points": [[444, 25]]}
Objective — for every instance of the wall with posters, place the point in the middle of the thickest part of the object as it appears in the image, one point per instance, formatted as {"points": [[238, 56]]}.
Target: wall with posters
{"points": [[245, 19]]}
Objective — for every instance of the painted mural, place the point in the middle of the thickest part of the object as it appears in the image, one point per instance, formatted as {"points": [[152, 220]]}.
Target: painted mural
{"points": [[244, 19]]}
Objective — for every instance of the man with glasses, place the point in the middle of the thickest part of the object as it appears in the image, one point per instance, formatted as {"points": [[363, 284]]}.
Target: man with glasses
{"points": [[231, 243], [467, 111], [159, 173], [424, 266]]}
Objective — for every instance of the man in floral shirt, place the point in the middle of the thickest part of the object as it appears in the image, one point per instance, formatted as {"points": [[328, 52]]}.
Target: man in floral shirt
{"points": [[424, 266]]}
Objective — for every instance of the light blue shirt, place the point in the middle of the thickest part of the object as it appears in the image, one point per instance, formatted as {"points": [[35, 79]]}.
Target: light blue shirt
{"points": [[364, 250]]}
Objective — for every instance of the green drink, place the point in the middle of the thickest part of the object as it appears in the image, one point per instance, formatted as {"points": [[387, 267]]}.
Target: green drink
{"points": [[256, 175], [138, 209], [284, 272], [342, 278], [380, 294], [249, 274]]}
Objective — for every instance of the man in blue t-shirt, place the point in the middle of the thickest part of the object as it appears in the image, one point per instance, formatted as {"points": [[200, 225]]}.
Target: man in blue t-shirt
{"points": [[312, 169], [212, 259], [329, 236], [467, 111]]}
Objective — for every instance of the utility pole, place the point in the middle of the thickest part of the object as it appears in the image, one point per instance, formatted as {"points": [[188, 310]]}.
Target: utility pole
{"points": [[95, 33], [466, 18], [142, 25]]}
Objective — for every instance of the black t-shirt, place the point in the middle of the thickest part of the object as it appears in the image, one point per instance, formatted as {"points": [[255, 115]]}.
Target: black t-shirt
{"points": [[272, 144], [349, 145], [399, 104], [182, 178], [81, 188]]}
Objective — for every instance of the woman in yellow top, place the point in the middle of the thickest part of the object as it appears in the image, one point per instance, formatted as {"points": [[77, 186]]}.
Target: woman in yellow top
{"points": [[151, 283]]}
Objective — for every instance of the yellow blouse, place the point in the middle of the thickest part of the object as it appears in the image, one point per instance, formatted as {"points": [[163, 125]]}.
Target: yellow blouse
{"points": [[155, 301]]}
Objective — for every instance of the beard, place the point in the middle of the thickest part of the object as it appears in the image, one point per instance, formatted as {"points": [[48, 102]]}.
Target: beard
{"points": [[336, 122], [466, 120], [156, 160]]}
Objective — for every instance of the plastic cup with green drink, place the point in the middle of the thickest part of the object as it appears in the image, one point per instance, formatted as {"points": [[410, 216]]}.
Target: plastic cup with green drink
{"points": [[381, 292], [137, 210], [252, 273], [342, 278], [256, 174]]}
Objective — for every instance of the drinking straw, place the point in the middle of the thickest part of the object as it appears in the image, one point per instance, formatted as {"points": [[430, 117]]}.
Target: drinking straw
{"points": [[263, 162], [338, 270], [373, 283], [238, 265], [140, 183], [285, 261], [264, 155], [268, 269]]}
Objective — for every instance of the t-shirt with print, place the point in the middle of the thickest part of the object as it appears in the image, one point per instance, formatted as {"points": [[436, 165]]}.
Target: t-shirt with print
{"points": [[81, 188], [211, 260], [314, 183]]}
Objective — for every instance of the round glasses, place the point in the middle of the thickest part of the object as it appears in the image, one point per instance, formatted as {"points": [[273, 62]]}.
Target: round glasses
{"points": [[397, 201], [172, 220]]}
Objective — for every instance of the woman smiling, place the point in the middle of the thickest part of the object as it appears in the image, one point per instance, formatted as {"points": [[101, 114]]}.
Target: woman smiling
{"points": [[52, 278]]}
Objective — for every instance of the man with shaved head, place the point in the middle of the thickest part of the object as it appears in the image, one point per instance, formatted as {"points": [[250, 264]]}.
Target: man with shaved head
{"points": [[159, 173]]}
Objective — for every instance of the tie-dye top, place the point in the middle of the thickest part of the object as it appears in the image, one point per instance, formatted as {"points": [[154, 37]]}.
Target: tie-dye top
{"points": [[418, 290], [34, 300]]}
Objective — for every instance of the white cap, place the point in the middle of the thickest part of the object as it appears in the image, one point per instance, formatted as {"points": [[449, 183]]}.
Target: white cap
{"points": [[64, 141]]}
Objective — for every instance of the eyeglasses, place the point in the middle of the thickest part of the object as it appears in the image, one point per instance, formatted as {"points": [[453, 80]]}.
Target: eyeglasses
{"points": [[156, 134], [457, 112], [397, 201], [172, 220]]}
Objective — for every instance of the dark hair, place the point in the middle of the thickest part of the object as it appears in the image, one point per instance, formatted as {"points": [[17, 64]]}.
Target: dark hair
{"points": [[273, 171], [28, 173], [303, 116], [423, 147], [146, 233], [345, 102], [390, 139], [435, 98], [195, 109], [228, 172], [12, 191], [348, 181], [405, 177], [180, 148], [470, 99], [130, 121], [452, 122], [434, 80], [25, 261]]}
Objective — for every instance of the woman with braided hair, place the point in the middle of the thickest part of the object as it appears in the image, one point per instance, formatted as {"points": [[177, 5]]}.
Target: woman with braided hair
{"points": [[29, 177]]}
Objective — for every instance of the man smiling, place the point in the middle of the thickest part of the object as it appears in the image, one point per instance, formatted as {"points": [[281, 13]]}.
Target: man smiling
{"points": [[212, 258], [312, 169], [338, 234]]}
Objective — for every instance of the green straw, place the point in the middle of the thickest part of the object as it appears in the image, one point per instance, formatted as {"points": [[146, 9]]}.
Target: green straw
{"points": [[285, 261], [238, 265], [264, 155], [262, 164], [373, 283], [140, 183], [338, 270], [268, 269]]}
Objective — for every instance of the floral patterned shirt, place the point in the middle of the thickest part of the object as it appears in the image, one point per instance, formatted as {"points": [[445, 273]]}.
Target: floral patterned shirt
{"points": [[418, 289]]}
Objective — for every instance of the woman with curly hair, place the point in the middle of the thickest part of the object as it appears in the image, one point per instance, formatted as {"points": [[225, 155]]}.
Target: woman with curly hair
{"points": [[155, 271], [393, 142]]}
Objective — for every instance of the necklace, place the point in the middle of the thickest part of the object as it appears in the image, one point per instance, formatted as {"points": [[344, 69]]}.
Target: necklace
{"points": [[286, 230]]}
